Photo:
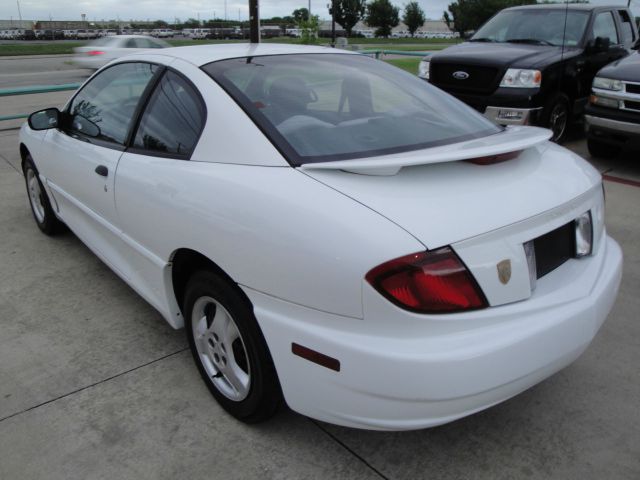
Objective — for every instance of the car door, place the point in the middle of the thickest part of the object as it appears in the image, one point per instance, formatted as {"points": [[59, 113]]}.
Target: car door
{"points": [[83, 155], [158, 158], [604, 26]]}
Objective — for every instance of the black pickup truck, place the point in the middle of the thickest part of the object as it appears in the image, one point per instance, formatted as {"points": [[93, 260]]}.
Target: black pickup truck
{"points": [[612, 118], [534, 64]]}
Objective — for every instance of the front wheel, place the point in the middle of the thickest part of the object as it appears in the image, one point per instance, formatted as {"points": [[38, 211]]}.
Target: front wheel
{"points": [[229, 348], [601, 149], [41, 208], [556, 115]]}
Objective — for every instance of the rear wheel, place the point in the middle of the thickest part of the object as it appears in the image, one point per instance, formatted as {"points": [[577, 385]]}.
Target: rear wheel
{"points": [[601, 149], [556, 117], [43, 214], [229, 348]]}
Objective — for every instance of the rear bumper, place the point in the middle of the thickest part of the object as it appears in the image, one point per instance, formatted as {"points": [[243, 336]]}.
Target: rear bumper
{"points": [[401, 371]]}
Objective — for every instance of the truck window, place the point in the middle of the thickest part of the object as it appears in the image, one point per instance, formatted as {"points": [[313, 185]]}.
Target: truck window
{"points": [[627, 27], [605, 26]]}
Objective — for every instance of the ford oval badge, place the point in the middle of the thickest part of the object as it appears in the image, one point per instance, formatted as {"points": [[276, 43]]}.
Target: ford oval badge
{"points": [[460, 75]]}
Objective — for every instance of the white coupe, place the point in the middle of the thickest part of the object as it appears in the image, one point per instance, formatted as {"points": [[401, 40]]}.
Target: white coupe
{"points": [[332, 231]]}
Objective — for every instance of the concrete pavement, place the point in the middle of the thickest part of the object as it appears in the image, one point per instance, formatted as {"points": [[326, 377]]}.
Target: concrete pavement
{"points": [[95, 384]]}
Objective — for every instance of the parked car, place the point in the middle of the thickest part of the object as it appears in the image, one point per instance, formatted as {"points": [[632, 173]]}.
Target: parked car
{"points": [[162, 33], [329, 229], [101, 51], [534, 64], [612, 117]]}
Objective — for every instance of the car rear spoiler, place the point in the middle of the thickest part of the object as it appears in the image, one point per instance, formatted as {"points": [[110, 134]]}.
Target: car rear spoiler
{"points": [[510, 140]]}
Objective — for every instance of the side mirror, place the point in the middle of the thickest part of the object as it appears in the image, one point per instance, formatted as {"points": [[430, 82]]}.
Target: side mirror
{"points": [[44, 119], [600, 45]]}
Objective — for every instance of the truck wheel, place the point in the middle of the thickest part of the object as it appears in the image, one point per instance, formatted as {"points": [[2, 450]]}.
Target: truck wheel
{"points": [[601, 149], [556, 117]]}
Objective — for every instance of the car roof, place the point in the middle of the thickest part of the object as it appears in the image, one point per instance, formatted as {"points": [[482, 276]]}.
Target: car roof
{"points": [[571, 6], [202, 54]]}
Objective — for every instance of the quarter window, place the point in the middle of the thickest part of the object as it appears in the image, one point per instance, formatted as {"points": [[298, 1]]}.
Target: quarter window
{"points": [[104, 108], [173, 119], [605, 26]]}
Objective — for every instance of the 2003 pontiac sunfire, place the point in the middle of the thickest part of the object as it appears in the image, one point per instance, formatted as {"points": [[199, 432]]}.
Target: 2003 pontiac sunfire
{"points": [[331, 231]]}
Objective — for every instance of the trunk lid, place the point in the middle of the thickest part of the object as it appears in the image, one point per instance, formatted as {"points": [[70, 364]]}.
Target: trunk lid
{"points": [[447, 201]]}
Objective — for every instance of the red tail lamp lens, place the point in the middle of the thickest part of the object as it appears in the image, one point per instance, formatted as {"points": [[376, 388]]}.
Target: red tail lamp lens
{"points": [[95, 52], [428, 282]]}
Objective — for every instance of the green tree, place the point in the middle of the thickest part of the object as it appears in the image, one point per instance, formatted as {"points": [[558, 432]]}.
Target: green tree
{"points": [[160, 24], [413, 17], [382, 14], [309, 30], [347, 12], [300, 15], [467, 15], [191, 23]]}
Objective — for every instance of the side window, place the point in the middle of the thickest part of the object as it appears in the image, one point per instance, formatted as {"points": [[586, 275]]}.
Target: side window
{"points": [[173, 119], [627, 27], [605, 26], [104, 108]]}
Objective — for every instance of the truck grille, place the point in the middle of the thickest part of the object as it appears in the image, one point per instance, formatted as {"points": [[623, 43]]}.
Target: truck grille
{"points": [[632, 87], [632, 105], [480, 80]]}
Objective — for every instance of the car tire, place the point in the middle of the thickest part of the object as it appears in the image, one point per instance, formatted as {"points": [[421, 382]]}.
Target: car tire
{"points": [[39, 202], [598, 148], [229, 349], [556, 116]]}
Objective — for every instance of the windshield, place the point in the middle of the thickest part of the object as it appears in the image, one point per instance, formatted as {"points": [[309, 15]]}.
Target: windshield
{"points": [[324, 107], [535, 26]]}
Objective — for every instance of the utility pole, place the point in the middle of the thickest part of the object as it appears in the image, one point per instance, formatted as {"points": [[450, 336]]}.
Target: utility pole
{"points": [[19, 13], [254, 22], [333, 23]]}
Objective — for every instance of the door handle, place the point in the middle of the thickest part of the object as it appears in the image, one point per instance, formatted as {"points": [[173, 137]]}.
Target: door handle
{"points": [[102, 170]]}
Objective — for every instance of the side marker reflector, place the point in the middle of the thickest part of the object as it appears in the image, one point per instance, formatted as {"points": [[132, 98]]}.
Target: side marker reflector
{"points": [[316, 357]]}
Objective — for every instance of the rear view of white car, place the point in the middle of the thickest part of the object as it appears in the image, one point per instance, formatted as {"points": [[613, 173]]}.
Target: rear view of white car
{"points": [[330, 230], [101, 51]]}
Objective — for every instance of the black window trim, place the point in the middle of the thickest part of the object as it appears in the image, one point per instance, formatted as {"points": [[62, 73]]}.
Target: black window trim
{"points": [[143, 107], [143, 99]]}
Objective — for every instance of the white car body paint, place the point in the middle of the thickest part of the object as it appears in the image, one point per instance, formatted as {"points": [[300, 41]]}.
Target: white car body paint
{"points": [[299, 241]]}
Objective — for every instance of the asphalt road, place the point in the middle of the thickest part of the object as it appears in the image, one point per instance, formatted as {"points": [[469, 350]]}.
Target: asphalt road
{"points": [[39, 70]]}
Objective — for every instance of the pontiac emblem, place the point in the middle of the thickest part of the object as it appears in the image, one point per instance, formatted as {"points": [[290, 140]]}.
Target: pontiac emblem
{"points": [[460, 75], [504, 271]]}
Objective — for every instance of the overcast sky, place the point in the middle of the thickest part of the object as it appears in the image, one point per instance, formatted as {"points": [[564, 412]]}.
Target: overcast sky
{"points": [[183, 9]]}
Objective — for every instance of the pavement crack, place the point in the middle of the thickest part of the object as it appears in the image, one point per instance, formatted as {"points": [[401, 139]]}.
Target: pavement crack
{"points": [[93, 384], [10, 164], [349, 449]]}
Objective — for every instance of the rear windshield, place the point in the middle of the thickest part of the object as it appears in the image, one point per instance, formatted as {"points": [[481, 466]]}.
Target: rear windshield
{"points": [[326, 107]]}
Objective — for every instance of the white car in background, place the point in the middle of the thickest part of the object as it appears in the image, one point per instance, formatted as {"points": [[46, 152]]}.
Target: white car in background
{"points": [[100, 52], [330, 230]]}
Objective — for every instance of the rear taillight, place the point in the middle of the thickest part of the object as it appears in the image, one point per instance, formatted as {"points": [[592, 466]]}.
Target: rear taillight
{"points": [[428, 282], [95, 52]]}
